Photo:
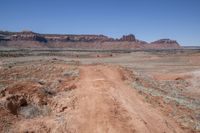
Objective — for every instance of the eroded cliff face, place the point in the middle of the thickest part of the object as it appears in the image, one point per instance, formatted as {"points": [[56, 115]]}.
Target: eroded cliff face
{"points": [[129, 38], [31, 36], [28, 39], [165, 43], [27, 36], [77, 38]]}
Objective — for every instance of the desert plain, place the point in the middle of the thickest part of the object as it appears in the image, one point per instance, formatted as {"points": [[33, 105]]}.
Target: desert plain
{"points": [[152, 91]]}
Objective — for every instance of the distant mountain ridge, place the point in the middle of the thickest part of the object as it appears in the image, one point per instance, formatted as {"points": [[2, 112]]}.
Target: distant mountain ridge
{"points": [[191, 47], [29, 39]]}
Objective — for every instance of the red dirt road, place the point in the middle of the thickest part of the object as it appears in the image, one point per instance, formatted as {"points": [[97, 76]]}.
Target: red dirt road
{"points": [[104, 103], [107, 104]]}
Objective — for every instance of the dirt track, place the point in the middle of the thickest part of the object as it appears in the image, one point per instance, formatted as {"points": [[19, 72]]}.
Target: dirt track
{"points": [[102, 102], [107, 104]]}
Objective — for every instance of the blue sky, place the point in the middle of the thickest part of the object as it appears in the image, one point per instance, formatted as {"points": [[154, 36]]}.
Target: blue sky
{"points": [[149, 20]]}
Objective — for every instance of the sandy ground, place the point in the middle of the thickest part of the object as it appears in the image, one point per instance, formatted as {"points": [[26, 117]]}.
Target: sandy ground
{"points": [[136, 92], [104, 103]]}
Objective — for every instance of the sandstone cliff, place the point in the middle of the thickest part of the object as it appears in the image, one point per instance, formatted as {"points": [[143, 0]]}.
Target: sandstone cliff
{"points": [[28, 39]]}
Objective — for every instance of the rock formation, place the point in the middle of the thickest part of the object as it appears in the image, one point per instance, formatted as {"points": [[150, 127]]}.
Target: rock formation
{"points": [[129, 38], [29, 39], [165, 41], [28, 36], [164, 44]]}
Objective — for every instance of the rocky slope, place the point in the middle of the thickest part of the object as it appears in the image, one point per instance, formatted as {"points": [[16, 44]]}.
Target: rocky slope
{"points": [[29, 39]]}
